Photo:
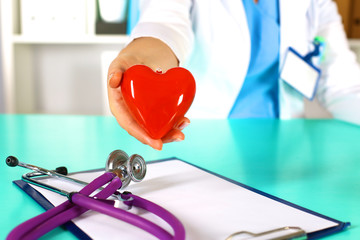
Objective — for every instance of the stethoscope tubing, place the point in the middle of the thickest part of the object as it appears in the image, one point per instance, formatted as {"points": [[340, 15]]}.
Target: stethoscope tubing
{"points": [[177, 226], [81, 202], [123, 215], [45, 222], [75, 210]]}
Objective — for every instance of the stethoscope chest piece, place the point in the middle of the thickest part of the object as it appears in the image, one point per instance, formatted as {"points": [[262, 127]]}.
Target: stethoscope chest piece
{"points": [[125, 167]]}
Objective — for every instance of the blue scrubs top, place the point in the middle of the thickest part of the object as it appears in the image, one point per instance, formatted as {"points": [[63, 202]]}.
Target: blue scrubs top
{"points": [[258, 97]]}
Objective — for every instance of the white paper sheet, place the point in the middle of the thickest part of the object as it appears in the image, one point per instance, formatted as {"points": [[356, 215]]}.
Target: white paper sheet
{"points": [[208, 206]]}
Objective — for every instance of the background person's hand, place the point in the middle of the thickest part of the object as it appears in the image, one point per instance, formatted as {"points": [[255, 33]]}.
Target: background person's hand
{"points": [[154, 54]]}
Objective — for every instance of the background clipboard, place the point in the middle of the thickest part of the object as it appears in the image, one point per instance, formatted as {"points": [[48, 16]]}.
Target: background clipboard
{"points": [[209, 205]]}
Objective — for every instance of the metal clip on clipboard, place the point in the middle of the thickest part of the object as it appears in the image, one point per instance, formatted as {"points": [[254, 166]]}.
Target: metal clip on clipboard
{"points": [[283, 233]]}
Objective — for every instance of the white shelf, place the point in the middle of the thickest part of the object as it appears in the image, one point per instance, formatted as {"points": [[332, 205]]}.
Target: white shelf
{"points": [[99, 39]]}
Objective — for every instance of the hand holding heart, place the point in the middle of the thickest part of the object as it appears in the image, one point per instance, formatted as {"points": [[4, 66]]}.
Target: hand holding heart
{"points": [[153, 53]]}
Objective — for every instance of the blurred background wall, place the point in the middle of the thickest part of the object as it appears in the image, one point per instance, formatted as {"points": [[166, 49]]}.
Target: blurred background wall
{"points": [[55, 61], [56, 53]]}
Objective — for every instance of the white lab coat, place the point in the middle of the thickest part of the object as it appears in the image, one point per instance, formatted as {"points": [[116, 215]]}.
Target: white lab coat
{"points": [[211, 39]]}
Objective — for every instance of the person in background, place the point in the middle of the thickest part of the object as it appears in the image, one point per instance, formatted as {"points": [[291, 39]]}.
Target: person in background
{"points": [[235, 50]]}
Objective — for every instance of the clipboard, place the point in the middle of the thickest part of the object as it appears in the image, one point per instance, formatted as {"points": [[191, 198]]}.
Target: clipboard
{"points": [[209, 205]]}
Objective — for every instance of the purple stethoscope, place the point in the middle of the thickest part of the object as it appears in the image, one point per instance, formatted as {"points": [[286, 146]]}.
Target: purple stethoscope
{"points": [[120, 170]]}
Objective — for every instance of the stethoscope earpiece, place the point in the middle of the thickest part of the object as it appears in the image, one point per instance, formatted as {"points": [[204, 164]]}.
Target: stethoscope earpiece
{"points": [[125, 167], [12, 161]]}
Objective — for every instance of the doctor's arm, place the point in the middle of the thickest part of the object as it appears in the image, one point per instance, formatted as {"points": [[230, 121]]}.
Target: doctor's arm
{"points": [[161, 39], [339, 87]]}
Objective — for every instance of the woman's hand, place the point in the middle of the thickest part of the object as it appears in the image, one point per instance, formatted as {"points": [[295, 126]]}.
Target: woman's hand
{"points": [[154, 54]]}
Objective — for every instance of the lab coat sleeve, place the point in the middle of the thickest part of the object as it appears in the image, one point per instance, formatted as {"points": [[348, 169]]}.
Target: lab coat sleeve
{"points": [[168, 21], [339, 87]]}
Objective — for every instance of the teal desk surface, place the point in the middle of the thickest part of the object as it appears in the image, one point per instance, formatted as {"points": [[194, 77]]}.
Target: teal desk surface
{"points": [[312, 163]]}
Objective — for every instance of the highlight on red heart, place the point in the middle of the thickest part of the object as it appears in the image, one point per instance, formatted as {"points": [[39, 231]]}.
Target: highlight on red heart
{"points": [[156, 100]]}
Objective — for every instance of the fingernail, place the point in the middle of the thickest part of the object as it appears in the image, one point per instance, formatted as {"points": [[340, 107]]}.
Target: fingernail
{"points": [[183, 125], [159, 147], [154, 145], [110, 76], [177, 140]]}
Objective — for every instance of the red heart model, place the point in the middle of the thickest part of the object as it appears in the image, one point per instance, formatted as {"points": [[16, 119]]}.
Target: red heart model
{"points": [[156, 100]]}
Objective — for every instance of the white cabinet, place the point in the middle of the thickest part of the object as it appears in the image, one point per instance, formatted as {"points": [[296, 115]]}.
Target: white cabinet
{"points": [[54, 17], [55, 72]]}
